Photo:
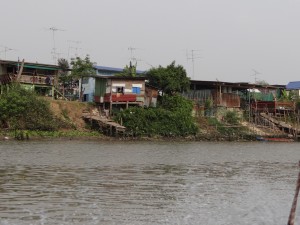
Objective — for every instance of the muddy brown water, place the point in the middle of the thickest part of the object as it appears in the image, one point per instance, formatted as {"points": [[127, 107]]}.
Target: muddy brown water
{"points": [[91, 182]]}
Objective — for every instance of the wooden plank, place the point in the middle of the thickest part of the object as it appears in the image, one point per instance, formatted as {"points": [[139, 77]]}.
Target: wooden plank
{"points": [[104, 121], [20, 71]]}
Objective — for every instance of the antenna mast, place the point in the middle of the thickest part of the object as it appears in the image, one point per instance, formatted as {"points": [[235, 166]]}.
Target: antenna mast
{"points": [[54, 53], [255, 75], [72, 47], [5, 50], [192, 56], [131, 49]]}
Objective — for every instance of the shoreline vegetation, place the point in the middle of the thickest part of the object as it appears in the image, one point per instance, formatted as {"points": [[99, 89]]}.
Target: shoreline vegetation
{"points": [[96, 136], [26, 116]]}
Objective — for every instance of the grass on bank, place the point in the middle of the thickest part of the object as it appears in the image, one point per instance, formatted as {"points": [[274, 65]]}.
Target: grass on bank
{"points": [[33, 134]]}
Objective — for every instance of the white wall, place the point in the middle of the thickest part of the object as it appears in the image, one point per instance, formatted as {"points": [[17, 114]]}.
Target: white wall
{"points": [[89, 88]]}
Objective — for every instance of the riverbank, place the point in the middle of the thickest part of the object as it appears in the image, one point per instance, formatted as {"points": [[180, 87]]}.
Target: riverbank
{"points": [[75, 128], [6, 135]]}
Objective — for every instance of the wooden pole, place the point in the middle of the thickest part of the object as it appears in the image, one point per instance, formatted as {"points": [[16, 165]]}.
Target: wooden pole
{"points": [[291, 220], [20, 71]]}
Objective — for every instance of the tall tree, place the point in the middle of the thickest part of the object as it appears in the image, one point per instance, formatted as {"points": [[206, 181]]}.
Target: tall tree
{"points": [[169, 80], [82, 67]]}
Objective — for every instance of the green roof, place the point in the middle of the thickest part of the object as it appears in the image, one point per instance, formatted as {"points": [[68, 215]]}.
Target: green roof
{"points": [[40, 67]]}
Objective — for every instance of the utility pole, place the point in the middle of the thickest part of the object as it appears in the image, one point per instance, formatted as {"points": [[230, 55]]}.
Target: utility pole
{"points": [[192, 56]]}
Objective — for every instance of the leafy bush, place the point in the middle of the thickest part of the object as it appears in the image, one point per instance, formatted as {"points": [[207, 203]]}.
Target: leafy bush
{"points": [[22, 109], [232, 117], [172, 118], [176, 102]]}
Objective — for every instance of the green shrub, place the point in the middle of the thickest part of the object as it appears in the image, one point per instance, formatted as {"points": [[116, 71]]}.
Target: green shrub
{"points": [[22, 109], [171, 119], [232, 117]]}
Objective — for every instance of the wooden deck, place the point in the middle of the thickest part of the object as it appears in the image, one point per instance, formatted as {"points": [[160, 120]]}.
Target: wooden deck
{"points": [[107, 125], [282, 125]]}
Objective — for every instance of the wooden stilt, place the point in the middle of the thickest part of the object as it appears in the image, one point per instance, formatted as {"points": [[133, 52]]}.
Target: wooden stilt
{"points": [[291, 220]]}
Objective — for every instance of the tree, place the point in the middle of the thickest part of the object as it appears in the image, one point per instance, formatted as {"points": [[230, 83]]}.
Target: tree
{"points": [[64, 68], [169, 80], [262, 82], [128, 71], [81, 68], [64, 77]]}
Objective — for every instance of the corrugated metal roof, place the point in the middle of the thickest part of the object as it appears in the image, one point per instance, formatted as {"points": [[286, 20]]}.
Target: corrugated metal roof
{"points": [[40, 67], [106, 68], [116, 77], [238, 85], [113, 69], [294, 85], [27, 64]]}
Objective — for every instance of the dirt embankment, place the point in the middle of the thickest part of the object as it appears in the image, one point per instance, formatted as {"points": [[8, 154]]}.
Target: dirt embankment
{"points": [[70, 112]]}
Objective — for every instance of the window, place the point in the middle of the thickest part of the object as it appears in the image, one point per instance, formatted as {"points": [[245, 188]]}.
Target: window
{"points": [[120, 90], [136, 90]]}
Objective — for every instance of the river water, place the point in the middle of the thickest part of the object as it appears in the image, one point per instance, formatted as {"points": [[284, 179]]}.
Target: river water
{"points": [[91, 182]]}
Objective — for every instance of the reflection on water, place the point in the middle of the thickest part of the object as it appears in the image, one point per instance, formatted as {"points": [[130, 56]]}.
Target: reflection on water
{"points": [[146, 183]]}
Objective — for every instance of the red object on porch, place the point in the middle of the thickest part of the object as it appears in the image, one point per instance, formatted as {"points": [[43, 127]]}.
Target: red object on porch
{"points": [[119, 97]]}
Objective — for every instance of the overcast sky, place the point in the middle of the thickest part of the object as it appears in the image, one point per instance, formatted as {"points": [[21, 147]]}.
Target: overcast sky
{"points": [[229, 39]]}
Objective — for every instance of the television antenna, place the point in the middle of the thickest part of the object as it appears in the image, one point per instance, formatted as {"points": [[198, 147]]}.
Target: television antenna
{"points": [[192, 56], [57, 54], [145, 62], [132, 58], [255, 75], [54, 54], [6, 49], [73, 47], [131, 49]]}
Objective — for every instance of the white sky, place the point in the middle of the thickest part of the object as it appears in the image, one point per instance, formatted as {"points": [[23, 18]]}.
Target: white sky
{"points": [[234, 37]]}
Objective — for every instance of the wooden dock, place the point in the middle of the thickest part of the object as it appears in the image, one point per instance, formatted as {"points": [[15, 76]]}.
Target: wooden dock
{"points": [[107, 125], [281, 125]]}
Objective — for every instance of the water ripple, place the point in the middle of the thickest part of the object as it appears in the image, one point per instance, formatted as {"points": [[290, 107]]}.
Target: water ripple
{"points": [[141, 189]]}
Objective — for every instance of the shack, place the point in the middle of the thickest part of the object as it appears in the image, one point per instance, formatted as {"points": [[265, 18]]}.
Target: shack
{"points": [[114, 91], [229, 94], [42, 78]]}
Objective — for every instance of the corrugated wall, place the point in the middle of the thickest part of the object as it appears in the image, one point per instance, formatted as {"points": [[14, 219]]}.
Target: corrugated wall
{"points": [[200, 96], [229, 100], [100, 87]]}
